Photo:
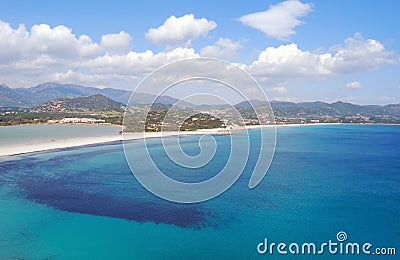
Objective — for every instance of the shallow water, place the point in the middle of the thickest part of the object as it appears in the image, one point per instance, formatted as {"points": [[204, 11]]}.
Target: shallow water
{"points": [[85, 203], [39, 133]]}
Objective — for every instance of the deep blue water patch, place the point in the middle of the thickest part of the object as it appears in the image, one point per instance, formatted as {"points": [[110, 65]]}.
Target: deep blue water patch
{"points": [[58, 194], [84, 181]]}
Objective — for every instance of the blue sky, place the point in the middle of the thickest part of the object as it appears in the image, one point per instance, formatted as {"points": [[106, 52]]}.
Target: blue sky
{"points": [[337, 50]]}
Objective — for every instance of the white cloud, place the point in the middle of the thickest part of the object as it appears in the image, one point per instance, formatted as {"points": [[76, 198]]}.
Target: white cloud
{"points": [[286, 99], [121, 71], [116, 43], [280, 88], [98, 80], [279, 20], [137, 62], [28, 56], [56, 54], [41, 50], [223, 49], [387, 99], [354, 84], [290, 62], [44, 53], [180, 30], [42, 40], [360, 55]]}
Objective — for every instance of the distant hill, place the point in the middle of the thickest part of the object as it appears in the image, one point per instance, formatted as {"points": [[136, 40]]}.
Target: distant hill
{"points": [[255, 102], [30, 97], [95, 103], [393, 110], [11, 98], [335, 109], [318, 109], [42, 93]]}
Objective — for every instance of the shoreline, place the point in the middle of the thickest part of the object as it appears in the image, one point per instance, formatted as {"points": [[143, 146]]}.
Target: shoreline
{"points": [[249, 127], [13, 150], [79, 124]]}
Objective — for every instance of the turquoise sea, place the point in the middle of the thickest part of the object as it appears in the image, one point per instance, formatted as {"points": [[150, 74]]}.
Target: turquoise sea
{"points": [[84, 203], [40, 133]]}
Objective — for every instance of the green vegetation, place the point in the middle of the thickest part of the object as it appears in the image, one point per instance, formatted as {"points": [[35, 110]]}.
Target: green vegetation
{"points": [[19, 118], [313, 112], [190, 117], [96, 103], [201, 121], [96, 107]]}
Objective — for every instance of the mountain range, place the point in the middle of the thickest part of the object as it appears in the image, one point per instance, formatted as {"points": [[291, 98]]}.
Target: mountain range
{"points": [[320, 109], [45, 92], [42, 93], [83, 104]]}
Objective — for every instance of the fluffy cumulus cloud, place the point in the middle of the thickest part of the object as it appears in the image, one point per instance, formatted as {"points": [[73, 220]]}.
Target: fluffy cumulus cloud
{"points": [[280, 89], [121, 71], [44, 53], [354, 84], [360, 55], [137, 62], [43, 41], [224, 49], [180, 30], [280, 20], [116, 43], [289, 61]]}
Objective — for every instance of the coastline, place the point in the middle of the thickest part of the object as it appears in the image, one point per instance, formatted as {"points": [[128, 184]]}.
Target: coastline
{"points": [[19, 149], [249, 127]]}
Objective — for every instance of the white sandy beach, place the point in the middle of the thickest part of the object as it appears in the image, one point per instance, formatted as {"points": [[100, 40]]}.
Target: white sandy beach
{"points": [[9, 150]]}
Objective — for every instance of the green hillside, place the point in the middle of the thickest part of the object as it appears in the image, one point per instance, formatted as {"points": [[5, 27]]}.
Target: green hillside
{"points": [[95, 103]]}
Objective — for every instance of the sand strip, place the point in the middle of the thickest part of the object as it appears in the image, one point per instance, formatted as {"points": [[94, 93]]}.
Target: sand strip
{"points": [[17, 149]]}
